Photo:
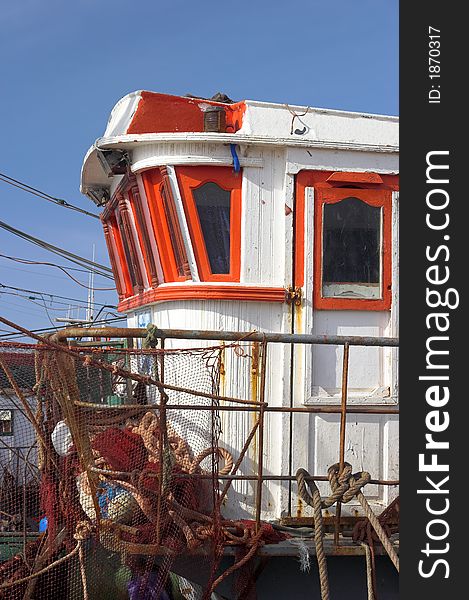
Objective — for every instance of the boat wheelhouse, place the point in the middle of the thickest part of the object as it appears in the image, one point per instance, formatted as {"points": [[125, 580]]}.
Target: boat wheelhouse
{"points": [[253, 216]]}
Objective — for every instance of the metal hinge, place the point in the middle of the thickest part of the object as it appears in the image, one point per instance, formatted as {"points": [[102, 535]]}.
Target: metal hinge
{"points": [[294, 295]]}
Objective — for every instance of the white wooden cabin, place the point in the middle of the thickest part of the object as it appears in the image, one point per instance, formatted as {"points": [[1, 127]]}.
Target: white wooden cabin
{"points": [[258, 216]]}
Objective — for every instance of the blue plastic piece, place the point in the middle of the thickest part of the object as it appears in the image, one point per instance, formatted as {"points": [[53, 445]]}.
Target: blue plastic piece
{"points": [[236, 165], [43, 525]]}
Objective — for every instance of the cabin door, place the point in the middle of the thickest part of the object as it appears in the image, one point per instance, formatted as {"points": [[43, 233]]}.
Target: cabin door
{"points": [[345, 271]]}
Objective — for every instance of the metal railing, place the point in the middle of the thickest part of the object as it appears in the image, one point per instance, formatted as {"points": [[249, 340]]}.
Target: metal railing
{"points": [[261, 406]]}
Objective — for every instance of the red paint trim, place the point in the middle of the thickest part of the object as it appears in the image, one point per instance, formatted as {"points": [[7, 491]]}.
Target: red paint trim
{"points": [[135, 202], [152, 181], [175, 233], [162, 113], [324, 181], [190, 178], [347, 177], [129, 239], [203, 292], [113, 259], [381, 198], [114, 228]]}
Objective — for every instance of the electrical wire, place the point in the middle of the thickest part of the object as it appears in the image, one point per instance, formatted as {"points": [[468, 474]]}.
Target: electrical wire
{"points": [[34, 272], [31, 190], [26, 291], [21, 260], [33, 300], [26, 312], [25, 261], [47, 312], [42, 305], [15, 334], [74, 258]]}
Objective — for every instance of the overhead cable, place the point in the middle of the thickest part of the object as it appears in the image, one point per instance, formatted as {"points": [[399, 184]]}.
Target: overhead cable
{"points": [[31, 190], [74, 258], [51, 295], [40, 300], [25, 261], [49, 329]]}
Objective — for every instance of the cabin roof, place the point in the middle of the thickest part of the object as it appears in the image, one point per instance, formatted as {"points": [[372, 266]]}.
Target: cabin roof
{"points": [[149, 117]]}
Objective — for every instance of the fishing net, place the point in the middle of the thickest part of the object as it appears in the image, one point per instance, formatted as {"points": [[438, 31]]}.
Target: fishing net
{"points": [[112, 469]]}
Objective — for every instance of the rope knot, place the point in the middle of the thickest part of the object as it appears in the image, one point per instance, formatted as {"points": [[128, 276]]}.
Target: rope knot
{"points": [[152, 337], [82, 531], [345, 485]]}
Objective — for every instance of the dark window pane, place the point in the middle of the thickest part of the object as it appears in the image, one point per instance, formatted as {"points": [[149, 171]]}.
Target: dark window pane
{"points": [[175, 235], [351, 243], [6, 419], [128, 258], [213, 207]]}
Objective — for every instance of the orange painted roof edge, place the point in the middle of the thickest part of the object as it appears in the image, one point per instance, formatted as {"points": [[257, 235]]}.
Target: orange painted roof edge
{"points": [[165, 113]]}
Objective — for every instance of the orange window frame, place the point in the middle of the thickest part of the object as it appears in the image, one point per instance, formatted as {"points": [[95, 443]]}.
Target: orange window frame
{"points": [[129, 244], [135, 202], [190, 178], [329, 187], [377, 198], [153, 182], [127, 288], [110, 242]]}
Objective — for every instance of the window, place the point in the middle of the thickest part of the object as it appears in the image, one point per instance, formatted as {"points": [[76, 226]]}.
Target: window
{"points": [[6, 422], [113, 257], [166, 227], [144, 239], [117, 253], [122, 246], [213, 209], [352, 249], [129, 244], [212, 201]]}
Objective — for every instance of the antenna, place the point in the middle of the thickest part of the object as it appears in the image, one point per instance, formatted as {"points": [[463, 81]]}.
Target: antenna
{"points": [[90, 307]]}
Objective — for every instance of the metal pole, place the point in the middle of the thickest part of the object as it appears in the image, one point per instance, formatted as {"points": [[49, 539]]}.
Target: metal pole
{"points": [[233, 336], [260, 449], [343, 422]]}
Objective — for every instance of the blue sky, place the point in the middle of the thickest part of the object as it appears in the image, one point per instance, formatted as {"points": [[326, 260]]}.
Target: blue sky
{"points": [[65, 64]]}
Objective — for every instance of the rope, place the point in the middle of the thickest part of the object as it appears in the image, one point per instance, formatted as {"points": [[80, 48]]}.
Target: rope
{"points": [[255, 542], [383, 538], [345, 486], [314, 500], [369, 572], [221, 452], [152, 338], [83, 531], [42, 571]]}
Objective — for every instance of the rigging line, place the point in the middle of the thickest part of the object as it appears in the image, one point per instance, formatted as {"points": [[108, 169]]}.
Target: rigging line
{"points": [[75, 258], [63, 269], [66, 305], [31, 190], [18, 289], [15, 334], [29, 311], [34, 272], [47, 312], [33, 300], [27, 261]]}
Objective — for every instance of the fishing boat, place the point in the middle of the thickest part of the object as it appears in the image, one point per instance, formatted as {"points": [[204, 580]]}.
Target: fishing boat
{"points": [[254, 248]]}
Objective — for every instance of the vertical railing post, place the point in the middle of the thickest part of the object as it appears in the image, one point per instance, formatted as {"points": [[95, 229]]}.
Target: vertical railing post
{"points": [[260, 449], [161, 441], [343, 423]]}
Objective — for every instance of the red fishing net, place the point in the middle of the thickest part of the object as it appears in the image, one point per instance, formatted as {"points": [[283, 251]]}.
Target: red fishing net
{"points": [[110, 467]]}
